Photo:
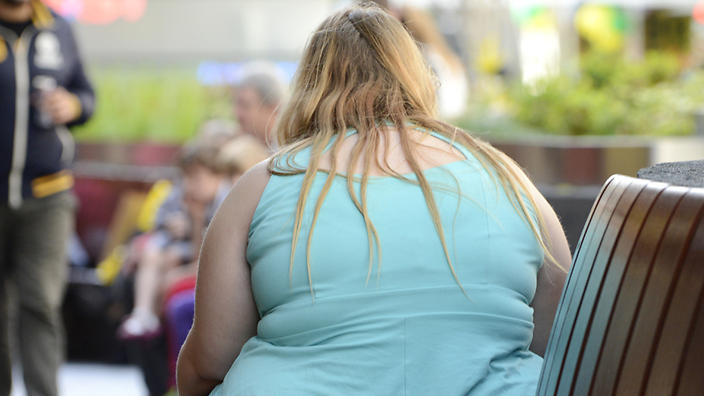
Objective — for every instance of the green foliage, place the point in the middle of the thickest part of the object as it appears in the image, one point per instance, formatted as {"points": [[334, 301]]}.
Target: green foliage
{"points": [[613, 96], [165, 106]]}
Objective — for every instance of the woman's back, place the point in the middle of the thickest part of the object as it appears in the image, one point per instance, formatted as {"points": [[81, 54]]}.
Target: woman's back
{"points": [[419, 284], [408, 329]]}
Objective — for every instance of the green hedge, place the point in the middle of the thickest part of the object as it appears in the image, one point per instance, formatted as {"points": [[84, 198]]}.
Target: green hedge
{"points": [[611, 96], [166, 106]]}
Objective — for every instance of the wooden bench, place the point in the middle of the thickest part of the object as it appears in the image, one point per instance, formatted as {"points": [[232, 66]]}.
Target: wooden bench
{"points": [[631, 316]]}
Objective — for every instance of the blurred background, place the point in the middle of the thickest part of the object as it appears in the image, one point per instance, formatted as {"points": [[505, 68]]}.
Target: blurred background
{"points": [[575, 91]]}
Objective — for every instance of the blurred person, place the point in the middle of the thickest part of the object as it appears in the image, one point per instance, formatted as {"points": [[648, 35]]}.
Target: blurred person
{"points": [[453, 91], [241, 153], [380, 251], [173, 246], [43, 90], [162, 249], [257, 98], [453, 88], [169, 214], [231, 161], [235, 157], [216, 131]]}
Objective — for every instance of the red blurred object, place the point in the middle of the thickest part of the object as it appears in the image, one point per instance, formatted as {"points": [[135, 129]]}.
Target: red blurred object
{"points": [[133, 10], [100, 12], [184, 284], [698, 12]]}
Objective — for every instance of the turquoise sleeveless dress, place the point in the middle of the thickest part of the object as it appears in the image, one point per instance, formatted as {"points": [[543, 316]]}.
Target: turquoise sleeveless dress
{"points": [[409, 330]]}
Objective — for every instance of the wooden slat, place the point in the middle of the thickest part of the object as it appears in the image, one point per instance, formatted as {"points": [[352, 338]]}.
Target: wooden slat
{"points": [[609, 290], [640, 332], [614, 263], [593, 241], [658, 290], [631, 317], [671, 348], [597, 212], [691, 381], [595, 215]]}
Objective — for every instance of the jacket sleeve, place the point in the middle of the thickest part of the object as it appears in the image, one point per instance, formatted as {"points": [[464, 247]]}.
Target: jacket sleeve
{"points": [[80, 86]]}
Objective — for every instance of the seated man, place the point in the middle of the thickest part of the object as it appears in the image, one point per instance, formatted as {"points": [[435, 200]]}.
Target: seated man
{"points": [[257, 98]]}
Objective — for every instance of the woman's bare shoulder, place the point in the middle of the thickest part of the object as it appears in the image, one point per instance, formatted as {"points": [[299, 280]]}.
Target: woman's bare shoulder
{"points": [[245, 194]]}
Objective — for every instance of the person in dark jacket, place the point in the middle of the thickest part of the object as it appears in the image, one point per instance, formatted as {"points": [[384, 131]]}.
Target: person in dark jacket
{"points": [[43, 91]]}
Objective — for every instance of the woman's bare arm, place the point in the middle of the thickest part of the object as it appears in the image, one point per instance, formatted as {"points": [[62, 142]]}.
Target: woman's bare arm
{"points": [[551, 277], [552, 274], [225, 312]]}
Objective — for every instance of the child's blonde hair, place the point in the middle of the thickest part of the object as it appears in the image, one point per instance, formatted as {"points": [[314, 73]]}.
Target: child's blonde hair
{"points": [[241, 153]]}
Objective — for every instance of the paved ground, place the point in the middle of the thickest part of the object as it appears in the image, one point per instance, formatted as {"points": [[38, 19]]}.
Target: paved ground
{"points": [[93, 379]]}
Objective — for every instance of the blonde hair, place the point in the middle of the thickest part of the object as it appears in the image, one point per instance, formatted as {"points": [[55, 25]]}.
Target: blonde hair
{"points": [[362, 70], [241, 153]]}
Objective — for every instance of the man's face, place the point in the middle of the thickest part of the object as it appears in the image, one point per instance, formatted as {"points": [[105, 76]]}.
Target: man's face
{"points": [[253, 116]]}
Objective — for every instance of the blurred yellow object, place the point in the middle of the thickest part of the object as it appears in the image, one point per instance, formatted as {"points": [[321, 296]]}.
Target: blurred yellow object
{"points": [[596, 23], [591, 18], [136, 212], [3, 50], [543, 21], [156, 196], [108, 269], [489, 60], [608, 41]]}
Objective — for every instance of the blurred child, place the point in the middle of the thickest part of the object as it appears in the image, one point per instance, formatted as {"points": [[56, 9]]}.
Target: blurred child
{"points": [[231, 161], [173, 246], [164, 209], [234, 158]]}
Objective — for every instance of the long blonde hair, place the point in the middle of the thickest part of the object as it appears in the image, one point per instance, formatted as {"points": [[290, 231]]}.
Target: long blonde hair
{"points": [[362, 70]]}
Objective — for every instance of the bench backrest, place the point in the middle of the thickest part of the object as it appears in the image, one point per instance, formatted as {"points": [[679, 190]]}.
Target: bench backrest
{"points": [[631, 316]]}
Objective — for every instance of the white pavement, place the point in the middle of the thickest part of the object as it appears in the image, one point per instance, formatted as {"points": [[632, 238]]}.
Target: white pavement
{"points": [[87, 379]]}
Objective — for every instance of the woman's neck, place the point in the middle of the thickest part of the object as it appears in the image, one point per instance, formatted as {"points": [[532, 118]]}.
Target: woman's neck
{"points": [[429, 152]]}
